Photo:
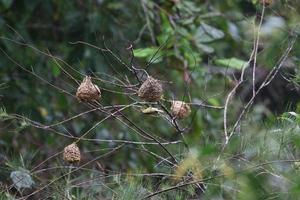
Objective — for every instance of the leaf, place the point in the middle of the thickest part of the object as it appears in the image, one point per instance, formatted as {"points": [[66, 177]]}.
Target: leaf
{"points": [[115, 6], [146, 52], [151, 110], [293, 114], [205, 48], [166, 37], [272, 24], [21, 179], [233, 63], [207, 33], [214, 101], [43, 111], [152, 54], [3, 114], [290, 117]]}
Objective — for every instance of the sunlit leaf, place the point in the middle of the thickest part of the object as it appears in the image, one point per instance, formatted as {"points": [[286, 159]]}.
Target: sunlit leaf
{"points": [[150, 53], [234, 63], [145, 52], [151, 110]]}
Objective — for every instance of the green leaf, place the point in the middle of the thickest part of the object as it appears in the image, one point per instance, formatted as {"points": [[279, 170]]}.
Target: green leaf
{"points": [[207, 33], [152, 54], [233, 63], [205, 48], [214, 101], [115, 6], [167, 32], [146, 52]]}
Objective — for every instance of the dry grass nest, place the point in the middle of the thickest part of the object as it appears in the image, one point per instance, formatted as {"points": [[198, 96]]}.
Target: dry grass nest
{"points": [[180, 109], [87, 91], [151, 90], [71, 153]]}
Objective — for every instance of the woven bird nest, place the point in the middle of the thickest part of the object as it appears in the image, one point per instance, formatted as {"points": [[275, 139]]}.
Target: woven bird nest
{"points": [[180, 109], [266, 2], [87, 91], [150, 90], [71, 153]]}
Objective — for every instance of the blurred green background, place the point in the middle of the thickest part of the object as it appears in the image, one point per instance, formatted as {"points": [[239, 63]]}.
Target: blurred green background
{"points": [[196, 49]]}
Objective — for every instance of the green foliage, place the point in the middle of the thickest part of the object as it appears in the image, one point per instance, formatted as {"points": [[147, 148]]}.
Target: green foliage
{"points": [[196, 49], [234, 63], [152, 54]]}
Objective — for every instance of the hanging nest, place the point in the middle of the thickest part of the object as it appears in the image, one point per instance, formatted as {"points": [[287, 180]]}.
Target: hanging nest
{"points": [[150, 90], [180, 109], [87, 91], [266, 2], [71, 153]]}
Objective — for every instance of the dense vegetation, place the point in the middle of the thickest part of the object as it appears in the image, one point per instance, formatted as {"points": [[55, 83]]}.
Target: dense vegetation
{"points": [[231, 65]]}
